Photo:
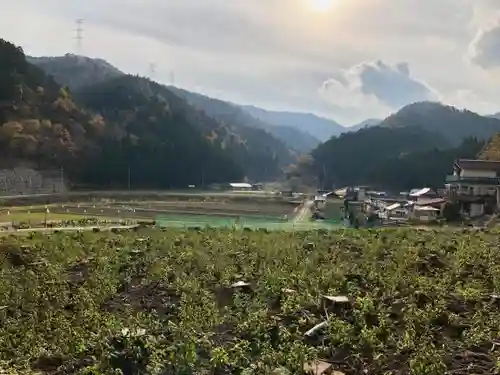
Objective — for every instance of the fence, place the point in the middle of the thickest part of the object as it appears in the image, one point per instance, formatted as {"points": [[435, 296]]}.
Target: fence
{"points": [[25, 181]]}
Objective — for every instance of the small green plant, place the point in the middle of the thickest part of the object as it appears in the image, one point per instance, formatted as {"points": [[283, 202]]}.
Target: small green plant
{"points": [[218, 301]]}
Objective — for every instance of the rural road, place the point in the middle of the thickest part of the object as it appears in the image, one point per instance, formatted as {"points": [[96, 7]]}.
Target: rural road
{"points": [[107, 193], [304, 212]]}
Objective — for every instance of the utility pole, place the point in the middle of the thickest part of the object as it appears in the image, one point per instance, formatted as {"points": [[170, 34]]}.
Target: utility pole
{"points": [[79, 35], [324, 177], [128, 181], [62, 180]]}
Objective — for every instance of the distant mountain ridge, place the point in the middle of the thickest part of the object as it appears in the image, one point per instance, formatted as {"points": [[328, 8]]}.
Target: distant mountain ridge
{"points": [[453, 124], [319, 127], [76, 72], [261, 155], [301, 142], [365, 124], [429, 129]]}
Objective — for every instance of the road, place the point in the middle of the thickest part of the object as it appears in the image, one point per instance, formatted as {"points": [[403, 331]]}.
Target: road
{"points": [[187, 193], [304, 213]]}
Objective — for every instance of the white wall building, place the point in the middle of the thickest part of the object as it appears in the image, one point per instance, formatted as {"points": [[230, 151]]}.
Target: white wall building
{"points": [[474, 177]]}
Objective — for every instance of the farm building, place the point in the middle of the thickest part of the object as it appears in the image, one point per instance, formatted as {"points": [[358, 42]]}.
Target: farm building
{"points": [[474, 177], [423, 194], [424, 213], [474, 186], [240, 186]]}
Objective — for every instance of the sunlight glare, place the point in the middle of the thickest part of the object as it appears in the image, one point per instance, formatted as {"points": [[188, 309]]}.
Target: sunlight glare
{"points": [[322, 5]]}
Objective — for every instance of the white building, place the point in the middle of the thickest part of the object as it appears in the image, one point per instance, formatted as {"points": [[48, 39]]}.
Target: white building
{"points": [[425, 213], [240, 186], [474, 177], [475, 185]]}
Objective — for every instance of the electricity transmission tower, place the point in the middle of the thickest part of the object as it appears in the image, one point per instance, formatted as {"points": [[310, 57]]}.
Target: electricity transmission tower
{"points": [[152, 70], [79, 36]]}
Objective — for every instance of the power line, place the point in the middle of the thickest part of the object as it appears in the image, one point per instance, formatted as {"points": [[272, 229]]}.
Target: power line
{"points": [[79, 35]]}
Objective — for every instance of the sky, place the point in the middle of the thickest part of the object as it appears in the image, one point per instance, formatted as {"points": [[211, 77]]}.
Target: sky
{"points": [[348, 60]]}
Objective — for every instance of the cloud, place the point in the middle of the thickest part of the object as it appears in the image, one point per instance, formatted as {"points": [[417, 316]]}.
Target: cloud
{"points": [[463, 98], [484, 50], [377, 84], [276, 53]]}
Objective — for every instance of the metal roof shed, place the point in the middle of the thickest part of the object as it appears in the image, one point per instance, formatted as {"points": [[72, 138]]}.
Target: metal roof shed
{"points": [[420, 192], [240, 185]]}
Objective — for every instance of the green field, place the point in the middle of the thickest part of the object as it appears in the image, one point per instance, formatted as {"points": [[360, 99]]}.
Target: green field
{"points": [[269, 223], [20, 216], [161, 302]]}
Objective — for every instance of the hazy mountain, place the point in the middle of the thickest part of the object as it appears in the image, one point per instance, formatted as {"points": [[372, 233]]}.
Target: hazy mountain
{"points": [[230, 113], [451, 123], [319, 127], [365, 124], [80, 71]]}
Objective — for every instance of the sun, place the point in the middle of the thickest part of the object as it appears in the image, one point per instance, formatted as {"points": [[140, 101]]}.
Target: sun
{"points": [[322, 5]]}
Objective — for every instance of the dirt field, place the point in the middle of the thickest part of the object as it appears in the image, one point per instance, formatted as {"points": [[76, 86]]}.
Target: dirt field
{"points": [[226, 206]]}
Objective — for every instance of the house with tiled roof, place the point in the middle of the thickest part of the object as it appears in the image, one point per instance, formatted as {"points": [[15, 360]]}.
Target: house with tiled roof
{"points": [[475, 184]]}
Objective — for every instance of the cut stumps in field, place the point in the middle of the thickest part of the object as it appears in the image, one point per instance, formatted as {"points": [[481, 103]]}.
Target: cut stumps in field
{"points": [[316, 329], [337, 299], [309, 246], [320, 368], [224, 295], [78, 273], [338, 305], [240, 285]]}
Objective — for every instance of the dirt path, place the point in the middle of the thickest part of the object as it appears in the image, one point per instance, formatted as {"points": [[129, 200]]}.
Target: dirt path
{"points": [[71, 229], [304, 212]]}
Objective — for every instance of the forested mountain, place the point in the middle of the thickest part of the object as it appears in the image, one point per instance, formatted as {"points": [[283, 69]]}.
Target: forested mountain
{"points": [[79, 71], [424, 168], [261, 155], [158, 132], [76, 71], [319, 127], [234, 115], [44, 126], [40, 124], [135, 102], [451, 123], [392, 154]]}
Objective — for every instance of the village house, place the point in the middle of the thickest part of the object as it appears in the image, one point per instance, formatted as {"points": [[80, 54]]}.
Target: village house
{"points": [[475, 186], [240, 186]]}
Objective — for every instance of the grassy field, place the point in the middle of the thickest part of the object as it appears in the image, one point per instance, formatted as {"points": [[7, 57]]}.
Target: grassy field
{"points": [[221, 206], [24, 216], [163, 302]]}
